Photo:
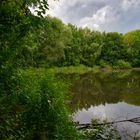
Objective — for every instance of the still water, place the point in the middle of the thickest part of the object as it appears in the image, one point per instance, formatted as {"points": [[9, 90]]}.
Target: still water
{"points": [[109, 96]]}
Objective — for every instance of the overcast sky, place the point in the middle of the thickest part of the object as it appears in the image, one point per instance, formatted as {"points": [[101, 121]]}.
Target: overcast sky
{"points": [[102, 15]]}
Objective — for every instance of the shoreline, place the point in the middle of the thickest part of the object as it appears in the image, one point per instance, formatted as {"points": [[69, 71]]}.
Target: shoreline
{"points": [[84, 69]]}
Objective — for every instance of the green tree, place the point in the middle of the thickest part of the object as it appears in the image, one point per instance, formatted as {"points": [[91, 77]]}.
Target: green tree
{"points": [[72, 49], [112, 48], [90, 54], [50, 49], [16, 23], [131, 41]]}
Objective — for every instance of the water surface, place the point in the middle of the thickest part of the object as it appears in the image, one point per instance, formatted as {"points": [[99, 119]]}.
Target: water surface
{"points": [[113, 96]]}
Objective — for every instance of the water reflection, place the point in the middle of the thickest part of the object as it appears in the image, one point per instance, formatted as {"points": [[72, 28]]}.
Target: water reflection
{"points": [[115, 112], [112, 112], [111, 96], [101, 88]]}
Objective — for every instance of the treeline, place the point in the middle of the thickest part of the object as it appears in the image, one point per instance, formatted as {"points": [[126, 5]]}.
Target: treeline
{"points": [[32, 102], [57, 44]]}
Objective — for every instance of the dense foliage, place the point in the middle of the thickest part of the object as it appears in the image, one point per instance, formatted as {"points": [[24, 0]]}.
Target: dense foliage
{"points": [[65, 45], [36, 109], [32, 102]]}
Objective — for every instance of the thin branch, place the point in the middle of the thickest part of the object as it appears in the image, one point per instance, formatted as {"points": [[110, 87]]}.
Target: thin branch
{"points": [[89, 125]]}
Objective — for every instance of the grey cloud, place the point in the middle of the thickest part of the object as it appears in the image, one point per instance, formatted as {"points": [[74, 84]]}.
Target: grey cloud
{"points": [[104, 15], [81, 10]]}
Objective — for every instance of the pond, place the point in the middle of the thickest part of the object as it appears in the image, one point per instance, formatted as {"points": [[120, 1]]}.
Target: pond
{"points": [[111, 96]]}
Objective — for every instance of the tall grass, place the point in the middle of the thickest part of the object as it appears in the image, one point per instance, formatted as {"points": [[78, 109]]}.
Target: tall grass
{"points": [[74, 69], [36, 109]]}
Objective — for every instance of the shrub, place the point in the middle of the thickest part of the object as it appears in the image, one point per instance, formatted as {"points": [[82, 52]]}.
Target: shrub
{"points": [[36, 109], [122, 64], [103, 64]]}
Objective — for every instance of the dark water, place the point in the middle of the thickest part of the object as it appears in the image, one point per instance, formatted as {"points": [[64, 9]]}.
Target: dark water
{"points": [[112, 96]]}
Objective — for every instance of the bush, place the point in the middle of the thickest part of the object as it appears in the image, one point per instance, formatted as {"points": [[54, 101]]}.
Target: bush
{"points": [[122, 64], [136, 62], [103, 64], [36, 109]]}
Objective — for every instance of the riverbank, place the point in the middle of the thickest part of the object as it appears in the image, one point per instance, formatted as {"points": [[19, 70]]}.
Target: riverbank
{"points": [[38, 87], [81, 69]]}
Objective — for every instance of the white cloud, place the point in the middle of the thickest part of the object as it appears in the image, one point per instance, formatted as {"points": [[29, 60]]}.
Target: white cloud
{"points": [[53, 7], [102, 16], [129, 4]]}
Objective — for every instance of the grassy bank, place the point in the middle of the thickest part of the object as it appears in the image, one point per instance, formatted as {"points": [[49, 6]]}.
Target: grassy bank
{"points": [[74, 69], [81, 69]]}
